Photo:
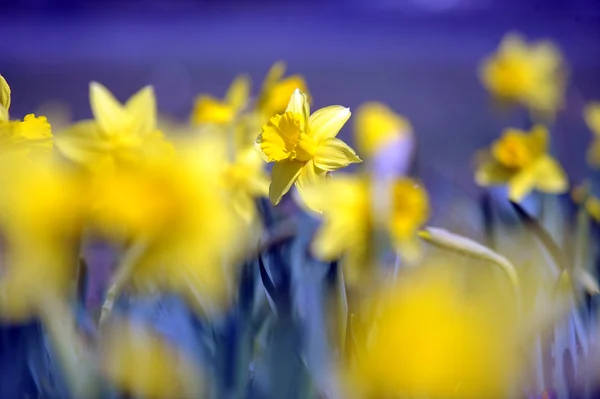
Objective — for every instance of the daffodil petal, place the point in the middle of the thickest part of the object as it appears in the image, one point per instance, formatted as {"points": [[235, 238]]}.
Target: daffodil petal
{"points": [[299, 105], [141, 107], [333, 154], [110, 115], [310, 177], [550, 176], [327, 122], [238, 92], [490, 172], [283, 175], [81, 143], [521, 184], [4, 99]]}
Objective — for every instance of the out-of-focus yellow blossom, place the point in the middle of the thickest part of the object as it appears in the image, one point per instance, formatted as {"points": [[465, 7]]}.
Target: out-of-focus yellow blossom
{"points": [[209, 109], [4, 99], [530, 74], [581, 196], [179, 207], [277, 90], [304, 148], [376, 126], [592, 118], [118, 134], [428, 338], [353, 210], [42, 210], [520, 159], [144, 365]]}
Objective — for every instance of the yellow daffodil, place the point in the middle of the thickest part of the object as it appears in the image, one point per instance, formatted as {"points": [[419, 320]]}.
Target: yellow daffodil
{"points": [[42, 210], [429, 338], [353, 210], [592, 118], [304, 148], [118, 134], [530, 74], [377, 126], [277, 90], [143, 364], [212, 110], [520, 159], [178, 207]]}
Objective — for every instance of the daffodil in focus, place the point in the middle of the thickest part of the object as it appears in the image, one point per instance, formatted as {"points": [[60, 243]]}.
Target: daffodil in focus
{"points": [[353, 211], [520, 159], [377, 126], [303, 147], [277, 90], [428, 338], [119, 133], [143, 364], [529, 74], [212, 110], [178, 208], [592, 118], [42, 211]]}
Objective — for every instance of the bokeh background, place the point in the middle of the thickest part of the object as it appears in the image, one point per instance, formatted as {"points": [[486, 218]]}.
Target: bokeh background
{"points": [[418, 56]]}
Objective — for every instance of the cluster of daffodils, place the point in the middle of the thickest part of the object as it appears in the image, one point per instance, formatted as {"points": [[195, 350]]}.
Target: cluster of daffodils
{"points": [[374, 302]]}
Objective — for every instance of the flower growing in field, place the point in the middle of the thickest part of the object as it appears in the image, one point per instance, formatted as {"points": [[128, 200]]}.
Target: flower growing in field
{"points": [[377, 126], [276, 91], [303, 147], [209, 109], [520, 159], [530, 74], [119, 133]]}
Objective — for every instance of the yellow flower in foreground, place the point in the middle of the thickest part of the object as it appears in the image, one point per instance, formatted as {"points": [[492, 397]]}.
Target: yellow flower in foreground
{"points": [[304, 148], [118, 134], [353, 210], [592, 118], [376, 126], [520, 159], [145, 365], [212, 110], [276, 91], [429, 338], [178, 207], [4, 99], [530, 74], [42, 210]]}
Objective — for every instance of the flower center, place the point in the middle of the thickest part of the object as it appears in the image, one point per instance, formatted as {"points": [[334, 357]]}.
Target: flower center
{"points": [[283, 138], [512, 151]]}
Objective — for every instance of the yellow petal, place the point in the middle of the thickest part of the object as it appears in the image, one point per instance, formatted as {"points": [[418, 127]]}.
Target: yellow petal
{"points": [[141, 107], [550, 176], [4, 99], [491, 172], [299, 105], [110, 115], [81, 143], [327, 122], [238, 92], [521, 184], [333, 154], [309, 177], [283, 175], [592, 117], [275, 73]]}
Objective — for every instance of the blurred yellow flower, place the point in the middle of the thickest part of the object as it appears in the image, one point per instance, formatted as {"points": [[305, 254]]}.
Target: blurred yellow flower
{"points": [[520, 159], [179, 207], [212, 110], [376, 126], [428, 338], [4, 99], [143, 364], [592, 118], [118, 134], [276, 91], [304, 148], [353, 209], [530, 74], [42, 211], [583, 197]]}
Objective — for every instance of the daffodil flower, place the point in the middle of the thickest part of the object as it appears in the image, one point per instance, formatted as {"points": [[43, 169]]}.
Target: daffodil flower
{"points": [[354, 210], [529, 74], [209, 109], [520, 159], [592, 118], [118, 134], [304, 148], [4, 99], [276, 91], [377, 126]]}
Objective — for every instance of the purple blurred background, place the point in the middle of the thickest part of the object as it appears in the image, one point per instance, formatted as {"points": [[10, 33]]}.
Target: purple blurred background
{"points": [[419, 56]]}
